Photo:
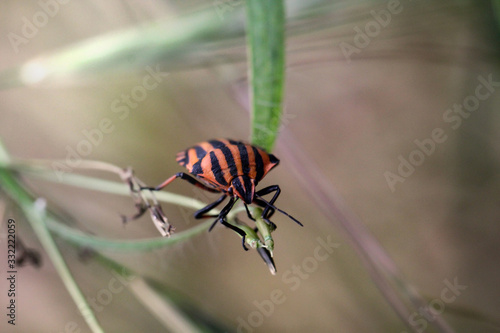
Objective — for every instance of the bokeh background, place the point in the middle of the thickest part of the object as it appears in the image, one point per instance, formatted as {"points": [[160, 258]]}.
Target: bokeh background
{"points": [[355, 115]]}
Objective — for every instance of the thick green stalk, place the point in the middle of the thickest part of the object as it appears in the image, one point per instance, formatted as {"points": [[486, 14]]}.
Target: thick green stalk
{"points": [[266, 49]]}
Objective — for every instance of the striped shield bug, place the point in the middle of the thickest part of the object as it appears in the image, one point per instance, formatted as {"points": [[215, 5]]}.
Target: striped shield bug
{"points": [[233, 168]]}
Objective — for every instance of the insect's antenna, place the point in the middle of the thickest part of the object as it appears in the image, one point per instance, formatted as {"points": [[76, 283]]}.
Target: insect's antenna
{"points": [[279, 210]]}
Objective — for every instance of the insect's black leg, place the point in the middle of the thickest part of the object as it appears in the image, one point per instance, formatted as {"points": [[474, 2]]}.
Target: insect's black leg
{"points": [[236, 229], [222, 215], [184, 176], [248, 213], [269, 206], [266, 190], [268, 210], [263, 204], [222, 219], [200, 214], [238, 221]]}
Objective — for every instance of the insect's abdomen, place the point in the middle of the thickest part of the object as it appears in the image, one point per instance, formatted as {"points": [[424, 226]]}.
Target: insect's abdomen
{"points": [[187, 158], [219, 161]]}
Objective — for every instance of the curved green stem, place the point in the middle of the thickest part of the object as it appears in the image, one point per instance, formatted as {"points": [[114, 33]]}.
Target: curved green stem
{"points": [[35, 214], [100, 243]]}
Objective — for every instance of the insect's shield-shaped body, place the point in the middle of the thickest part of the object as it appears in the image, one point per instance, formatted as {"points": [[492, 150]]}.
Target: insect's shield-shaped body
{"points": [[229, 166]]}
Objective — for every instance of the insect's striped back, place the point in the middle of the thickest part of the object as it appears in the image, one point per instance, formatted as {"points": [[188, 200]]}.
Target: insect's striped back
{"points": [[187, 158], [220, 161]]}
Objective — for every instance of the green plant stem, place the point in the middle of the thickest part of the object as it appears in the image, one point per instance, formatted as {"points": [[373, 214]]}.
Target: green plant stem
{"points": [[41, 222], [40, 169], [264, 229], [43, 171], [100, 243], [266, 54], [36, 217], [162, 308], [153, 41]]}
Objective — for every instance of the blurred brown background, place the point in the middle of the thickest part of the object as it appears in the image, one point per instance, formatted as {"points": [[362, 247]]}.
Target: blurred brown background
{"points": [[352, 118]]}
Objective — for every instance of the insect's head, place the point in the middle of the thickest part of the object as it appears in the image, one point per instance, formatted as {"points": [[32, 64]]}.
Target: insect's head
{"points": [[244, 188]]}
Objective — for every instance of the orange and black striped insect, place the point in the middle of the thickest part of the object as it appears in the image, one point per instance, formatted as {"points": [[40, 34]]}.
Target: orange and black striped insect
{"points": [[233, 168]]}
